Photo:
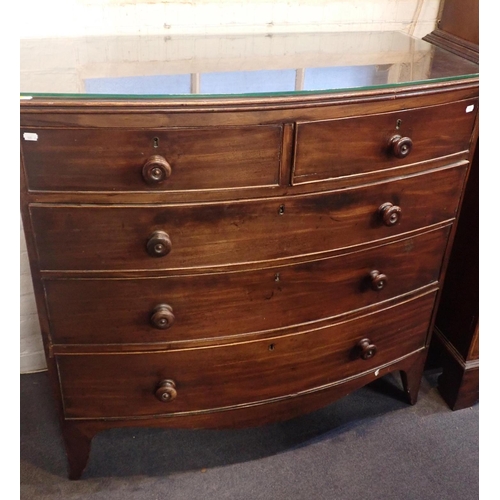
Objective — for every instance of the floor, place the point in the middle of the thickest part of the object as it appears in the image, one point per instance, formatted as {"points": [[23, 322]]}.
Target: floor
{"points": [[369, 445]]}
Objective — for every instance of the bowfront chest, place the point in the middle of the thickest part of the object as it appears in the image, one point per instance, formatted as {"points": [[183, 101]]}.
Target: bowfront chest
{"points": [[225, 261]]}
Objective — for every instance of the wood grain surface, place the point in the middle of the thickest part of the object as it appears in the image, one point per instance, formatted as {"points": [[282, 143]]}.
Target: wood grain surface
{"points": [[65, 159], [353, 146], [121, 385], [114, 311], [222, 234]]}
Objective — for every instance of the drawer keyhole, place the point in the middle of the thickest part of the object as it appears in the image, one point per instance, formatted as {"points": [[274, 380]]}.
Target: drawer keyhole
{"points": [[156, 142]]}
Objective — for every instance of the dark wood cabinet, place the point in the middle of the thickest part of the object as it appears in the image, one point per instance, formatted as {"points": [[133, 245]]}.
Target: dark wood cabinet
{"points": [[458, 28], [456, 340], [233, 261], [457, 321]]}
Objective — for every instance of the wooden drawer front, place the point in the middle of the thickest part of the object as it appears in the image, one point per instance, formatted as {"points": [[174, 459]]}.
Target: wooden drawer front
{"points": [[93, 311], [350, 146], [100, 238], [113, 385], [113, 159]]}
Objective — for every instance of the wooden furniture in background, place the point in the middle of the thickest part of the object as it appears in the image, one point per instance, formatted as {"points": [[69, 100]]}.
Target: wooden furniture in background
{"points": [[458, 28], [457, 323]]}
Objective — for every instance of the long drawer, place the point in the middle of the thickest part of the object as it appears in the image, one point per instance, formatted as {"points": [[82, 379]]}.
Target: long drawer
{"points": [[135, 384], [357, 145], [178, 308], [96, 237], [105, 159]]}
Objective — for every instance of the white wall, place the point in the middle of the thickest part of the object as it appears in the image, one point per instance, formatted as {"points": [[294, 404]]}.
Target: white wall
{"points": [[87, 17], [76, 17], [32, 357]]}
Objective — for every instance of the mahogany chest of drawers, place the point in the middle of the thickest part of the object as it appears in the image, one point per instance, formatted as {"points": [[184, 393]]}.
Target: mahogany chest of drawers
{"points": [[236, 261]]}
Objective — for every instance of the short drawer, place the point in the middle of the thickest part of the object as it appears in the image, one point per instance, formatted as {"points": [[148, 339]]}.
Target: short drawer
{"points": [[95, 237], [179, 308], [358, 145], [65, 159], [120, 385]]}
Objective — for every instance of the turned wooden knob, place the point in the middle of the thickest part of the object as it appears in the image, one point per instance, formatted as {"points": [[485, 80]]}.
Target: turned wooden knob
{"points": [[159, 244], [165, 391], [389, 214], [377, 280], [400, 146], [162, 317], [156, 170], [366, 349]]}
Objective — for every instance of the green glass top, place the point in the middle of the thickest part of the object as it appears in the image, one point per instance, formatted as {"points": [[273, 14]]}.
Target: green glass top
{"points": [[156, 66]]}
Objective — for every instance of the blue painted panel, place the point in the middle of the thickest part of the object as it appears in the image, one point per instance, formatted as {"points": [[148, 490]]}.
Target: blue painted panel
{"points": [[144, 85], [248, 82], [338, 77]]}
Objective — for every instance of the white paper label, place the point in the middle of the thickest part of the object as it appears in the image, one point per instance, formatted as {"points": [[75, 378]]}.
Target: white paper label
{"points": [[30, 136], [469, 108]]}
